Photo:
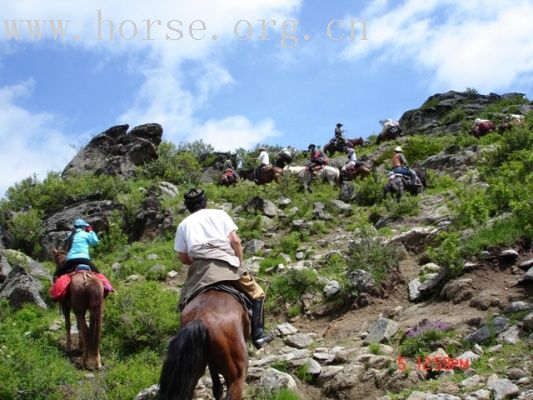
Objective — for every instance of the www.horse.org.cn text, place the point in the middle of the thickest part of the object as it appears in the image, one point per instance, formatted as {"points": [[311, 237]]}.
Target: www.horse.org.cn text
{"points": [[288, 32]]}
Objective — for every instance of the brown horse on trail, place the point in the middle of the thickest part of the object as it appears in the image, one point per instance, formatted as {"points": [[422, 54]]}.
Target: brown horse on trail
{"points": [[228, 178], [85, 292], [266, 176], [213, 331], [358, 171]]}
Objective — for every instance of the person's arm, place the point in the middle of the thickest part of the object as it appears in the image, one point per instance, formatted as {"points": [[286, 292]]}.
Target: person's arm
{"points": [[235, 242], [403, 160], [184, 258]]}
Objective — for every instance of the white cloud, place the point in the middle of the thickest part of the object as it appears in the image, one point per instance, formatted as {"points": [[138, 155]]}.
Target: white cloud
{"points": [[233, 132], [163, 97], [486, 45], [31, 142]]}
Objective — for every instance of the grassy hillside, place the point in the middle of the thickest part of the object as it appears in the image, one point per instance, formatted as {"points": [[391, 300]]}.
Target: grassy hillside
{"points": [[142, 315]]}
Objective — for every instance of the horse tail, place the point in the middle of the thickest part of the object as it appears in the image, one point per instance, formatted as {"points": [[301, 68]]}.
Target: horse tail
{"points": [[185, 363], [96, 301]]}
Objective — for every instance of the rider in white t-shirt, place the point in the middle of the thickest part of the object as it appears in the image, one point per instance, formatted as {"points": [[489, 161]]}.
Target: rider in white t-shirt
{"points": [[264, 163], [212, 234]]}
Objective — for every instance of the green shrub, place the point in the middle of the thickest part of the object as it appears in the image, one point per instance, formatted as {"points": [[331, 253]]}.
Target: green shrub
{"points": [[26, 229], [473, 209], [288, 289], [453, 116], [114, 238], [448, 253], [369, 191], [374, 348], [141, 316], [369, 254]]}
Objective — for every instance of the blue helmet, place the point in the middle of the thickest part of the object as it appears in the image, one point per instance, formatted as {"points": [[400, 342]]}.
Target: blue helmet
{"points": [[80, 223]]}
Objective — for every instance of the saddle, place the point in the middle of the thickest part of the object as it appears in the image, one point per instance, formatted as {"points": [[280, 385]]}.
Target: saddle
{"points": [[60, 287], [223, 287]]}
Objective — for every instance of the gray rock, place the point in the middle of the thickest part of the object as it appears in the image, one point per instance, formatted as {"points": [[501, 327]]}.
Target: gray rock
{"points": [[117, 152], [284, 202], [511, 335], [347, 192], [58, 226], [470, 356], [502, 388], [380, 330], [152, 257], [481, 394], [485, 332], [300, 224], [518, 306], [343, 379], [516, 373], [415, 239], [172, 274], [414, 294], [457, 290], [320, 212], [341, 206], [525, 265], [331, 288], [20, 288], [253, 264], [32, 267], [485, 299], [273, 380], [299, 340], [508, 255], [286, 329], [115, 267], [5, 268], [148, 393], [362, 281], [168, 189], [263, 206], [254, 246], [312, 367], [471, 382], [528, 276]]}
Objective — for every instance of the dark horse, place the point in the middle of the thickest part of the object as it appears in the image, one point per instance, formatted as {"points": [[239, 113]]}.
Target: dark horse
{"points": [[267, 176], [358, 171], [392, 132], [213, 331], [398, 184], [333, 145], [283, 160], [228, 178], [85, 292], [483, 128]]}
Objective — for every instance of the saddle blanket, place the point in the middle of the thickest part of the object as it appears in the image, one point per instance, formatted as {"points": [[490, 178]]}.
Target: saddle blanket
{"points": [[59, 289]]}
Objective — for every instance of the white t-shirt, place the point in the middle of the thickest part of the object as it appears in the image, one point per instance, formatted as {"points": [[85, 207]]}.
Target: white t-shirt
{"points": [[201, 227], [263, 158]]}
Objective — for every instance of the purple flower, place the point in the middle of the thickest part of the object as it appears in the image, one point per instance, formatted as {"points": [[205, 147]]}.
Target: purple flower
{"points": [[426, 325]]}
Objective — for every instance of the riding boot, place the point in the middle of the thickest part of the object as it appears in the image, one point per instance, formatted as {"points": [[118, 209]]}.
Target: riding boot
{"points": [[259, 337]]}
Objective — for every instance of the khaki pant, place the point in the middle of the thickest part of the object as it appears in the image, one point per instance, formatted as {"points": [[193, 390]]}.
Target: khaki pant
{"points": [[248, 286]]}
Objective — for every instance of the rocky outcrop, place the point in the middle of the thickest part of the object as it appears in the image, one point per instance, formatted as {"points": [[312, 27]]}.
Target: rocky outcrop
{"points": [[150, 221], [58, 226], [20, 288], [117, 152], [435, 115]]}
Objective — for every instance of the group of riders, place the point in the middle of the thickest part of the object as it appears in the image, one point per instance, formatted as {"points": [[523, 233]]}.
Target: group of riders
{"points": [[317, 159], [207, 239]]}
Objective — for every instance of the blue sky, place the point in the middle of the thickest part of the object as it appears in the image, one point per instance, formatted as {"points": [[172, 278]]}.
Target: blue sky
{"points": [[56, 94]]}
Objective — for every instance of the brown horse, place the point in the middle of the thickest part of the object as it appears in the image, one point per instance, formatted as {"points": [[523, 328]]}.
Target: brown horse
{"points": [[334, 145], [85, 292], [213, 331], [267, 176], [349, 174], [228, 178]]}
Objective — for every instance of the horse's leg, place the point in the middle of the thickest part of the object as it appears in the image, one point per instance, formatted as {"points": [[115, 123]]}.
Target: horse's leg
{"points": [[218, 389], [82, 335], [66, 313]]}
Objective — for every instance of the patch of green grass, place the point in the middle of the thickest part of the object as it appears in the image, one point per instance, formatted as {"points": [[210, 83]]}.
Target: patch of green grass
{"points": [[286, 290], [504, 232], [281, 394], [374, 348]]}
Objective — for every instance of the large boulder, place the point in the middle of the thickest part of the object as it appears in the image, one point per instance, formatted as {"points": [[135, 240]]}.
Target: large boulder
{"points": [[58, 226], [435, 114], [151, 220], [20, 288], [117, 152]]}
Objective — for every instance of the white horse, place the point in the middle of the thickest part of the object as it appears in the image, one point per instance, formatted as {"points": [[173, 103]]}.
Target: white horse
{"points": [[328, 173], [293, 170]]}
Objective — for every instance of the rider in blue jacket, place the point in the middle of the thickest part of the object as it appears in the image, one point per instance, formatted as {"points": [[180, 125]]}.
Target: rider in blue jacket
{"points": [[78, 243]]}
